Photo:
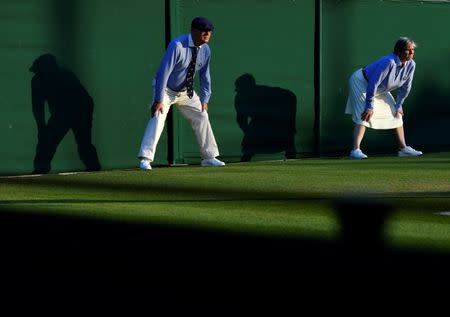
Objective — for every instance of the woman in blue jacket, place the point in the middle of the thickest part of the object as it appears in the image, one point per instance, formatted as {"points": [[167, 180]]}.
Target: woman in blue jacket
{"points": [[370, 102]]}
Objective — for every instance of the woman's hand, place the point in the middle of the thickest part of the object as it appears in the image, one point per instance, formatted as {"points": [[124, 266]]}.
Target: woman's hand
{"points": [[157, 107], [366, 115], [399, 113]]}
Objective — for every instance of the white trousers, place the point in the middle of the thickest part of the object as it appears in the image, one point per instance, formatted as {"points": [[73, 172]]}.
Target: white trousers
{"points": [[191, 109]]}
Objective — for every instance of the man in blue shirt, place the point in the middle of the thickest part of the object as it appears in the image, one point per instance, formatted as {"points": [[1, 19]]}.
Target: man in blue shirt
{"points": [[370, 102], [173, 84]]}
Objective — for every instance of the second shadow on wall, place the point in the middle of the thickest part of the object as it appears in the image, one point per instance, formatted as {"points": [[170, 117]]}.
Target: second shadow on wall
{"points": [[267, 117]]}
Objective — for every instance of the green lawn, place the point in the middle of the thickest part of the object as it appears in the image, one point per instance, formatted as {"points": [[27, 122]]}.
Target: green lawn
{"points": [[293, 198]]}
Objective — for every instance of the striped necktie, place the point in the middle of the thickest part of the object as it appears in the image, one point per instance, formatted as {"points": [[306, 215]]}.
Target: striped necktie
{"points": [[190, 74]]}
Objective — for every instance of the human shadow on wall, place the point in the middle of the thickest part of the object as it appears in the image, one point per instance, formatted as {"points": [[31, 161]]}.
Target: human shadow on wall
{"points": [[267, 116], [70, 107]]}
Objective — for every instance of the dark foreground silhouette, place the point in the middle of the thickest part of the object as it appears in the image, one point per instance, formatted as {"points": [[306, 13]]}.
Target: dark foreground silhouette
{"points": [[106, 265], [57, 243]]}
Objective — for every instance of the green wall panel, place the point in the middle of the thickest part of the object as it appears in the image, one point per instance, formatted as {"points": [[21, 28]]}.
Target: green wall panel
{"points": [[113, 48], [122, 46], [271, 40], [355, 33]]}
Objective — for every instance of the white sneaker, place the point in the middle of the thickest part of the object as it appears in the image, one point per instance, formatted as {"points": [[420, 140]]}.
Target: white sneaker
{"points": [[357, 154], [409, 151], [212, 162], [145, 165]]}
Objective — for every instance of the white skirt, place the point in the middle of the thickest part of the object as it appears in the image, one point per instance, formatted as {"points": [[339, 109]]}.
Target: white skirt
{"points": [[383, 106]]}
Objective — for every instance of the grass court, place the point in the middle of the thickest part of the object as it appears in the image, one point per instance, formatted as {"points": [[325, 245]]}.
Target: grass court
{"points": [[287, 199]]}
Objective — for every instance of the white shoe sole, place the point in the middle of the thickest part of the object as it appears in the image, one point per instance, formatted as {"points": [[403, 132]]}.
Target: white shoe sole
{"points": [[408, 155], [358, 158]]}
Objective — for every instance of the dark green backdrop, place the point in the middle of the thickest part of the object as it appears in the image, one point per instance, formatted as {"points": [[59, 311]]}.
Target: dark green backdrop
{"points": [[114, 48]]}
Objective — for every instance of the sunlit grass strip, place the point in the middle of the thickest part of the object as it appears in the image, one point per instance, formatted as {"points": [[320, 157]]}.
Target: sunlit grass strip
{"points": [[292, 198]]}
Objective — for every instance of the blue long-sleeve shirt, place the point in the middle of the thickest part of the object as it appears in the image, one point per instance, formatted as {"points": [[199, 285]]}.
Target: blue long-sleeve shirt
{"points": [[387, 74], [174, 65]]}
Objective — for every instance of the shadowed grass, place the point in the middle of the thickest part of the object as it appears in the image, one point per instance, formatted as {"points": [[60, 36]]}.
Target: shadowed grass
{"points": [[277, 198]]}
